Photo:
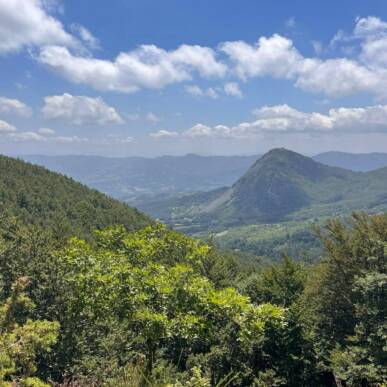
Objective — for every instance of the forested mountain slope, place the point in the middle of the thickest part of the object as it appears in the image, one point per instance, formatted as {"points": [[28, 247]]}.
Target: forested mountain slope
{"points": [[35, 195]]}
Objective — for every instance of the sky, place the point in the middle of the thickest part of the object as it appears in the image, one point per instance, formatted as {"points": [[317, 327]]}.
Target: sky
{"points": [[148, 78]]}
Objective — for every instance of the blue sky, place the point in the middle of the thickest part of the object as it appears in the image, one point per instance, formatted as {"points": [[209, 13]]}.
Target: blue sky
{"points": [[172, 77]]}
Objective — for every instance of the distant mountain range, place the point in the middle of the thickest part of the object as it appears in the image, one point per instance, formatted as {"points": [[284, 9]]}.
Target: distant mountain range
{"points": [[128, 178], [362, 162], [133, 178], [280, 186]]}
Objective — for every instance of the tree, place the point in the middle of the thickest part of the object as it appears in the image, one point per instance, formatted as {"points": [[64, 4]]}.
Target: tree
{"points": [[22, 339], [345, 300], [280, 284]]}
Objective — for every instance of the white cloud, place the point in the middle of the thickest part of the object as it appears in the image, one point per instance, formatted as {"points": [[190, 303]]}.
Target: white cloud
{"points": [[70, 139], [43, 135], [86, 36], [199, 130], [196, 91], [5, 127], [363, 69], [80, 110], [317, 47], [339, 77], [163, 134], [26, 23], [232, 88], [14, 106], [126, 140], [370, 26], [152, 118], [46, 131], [212, 93], [27, 136], [147, 67], [285, 119], [275, 56]]}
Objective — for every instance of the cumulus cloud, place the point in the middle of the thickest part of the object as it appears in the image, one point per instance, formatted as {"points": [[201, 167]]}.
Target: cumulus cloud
{"points": [[200, 130], [151, 67], [370, 26], [285, 119], [80, 110], [46, 131], [86, 36], [69, 139], [14, 106], [196, 91], [277, 57], [5, 127], [163, 134], [27, 136], [232, 88], [147, 67], [152, 118], [43, 135], [25, 23]]}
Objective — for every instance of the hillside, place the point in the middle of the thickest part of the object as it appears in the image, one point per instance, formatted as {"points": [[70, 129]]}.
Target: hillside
{"points": [[38, 196], [129, 178], [280, 186]]}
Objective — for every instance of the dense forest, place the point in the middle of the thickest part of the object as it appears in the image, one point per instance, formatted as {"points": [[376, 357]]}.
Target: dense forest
{"points": [[136, 304], [154, 307], [37, 196]]}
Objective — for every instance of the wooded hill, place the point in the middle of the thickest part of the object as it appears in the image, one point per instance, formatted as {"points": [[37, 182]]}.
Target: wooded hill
{"points": [[35, 195]]}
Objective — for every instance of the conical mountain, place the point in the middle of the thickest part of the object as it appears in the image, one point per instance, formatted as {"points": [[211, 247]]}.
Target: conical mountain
{"points": [[282, 185], [279, 183]]}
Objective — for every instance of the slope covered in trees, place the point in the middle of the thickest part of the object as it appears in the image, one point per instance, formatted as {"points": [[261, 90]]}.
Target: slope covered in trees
{"points": [[37, 196], [156, 308]]}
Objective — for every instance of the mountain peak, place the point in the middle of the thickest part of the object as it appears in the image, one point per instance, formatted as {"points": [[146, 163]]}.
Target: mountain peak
{"points": [[278, 184], [283, 153], [286, 162]]}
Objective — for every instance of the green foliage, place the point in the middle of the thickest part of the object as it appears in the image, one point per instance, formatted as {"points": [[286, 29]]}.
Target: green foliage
{"points": [[22, 339], [279, 284], [346, 300], [36, 196], [151, 282], [145, 302]]}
